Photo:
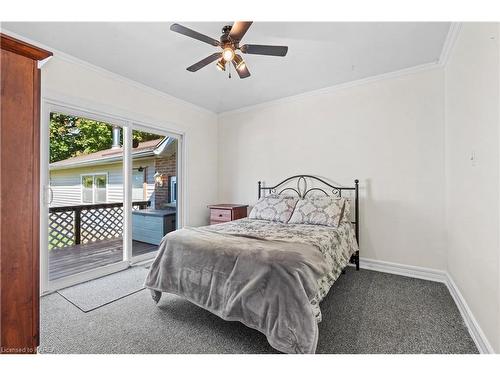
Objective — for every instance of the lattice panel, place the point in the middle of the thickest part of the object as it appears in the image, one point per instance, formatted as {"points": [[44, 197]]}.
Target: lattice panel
{"points": [[101, 223], [61, 229]]}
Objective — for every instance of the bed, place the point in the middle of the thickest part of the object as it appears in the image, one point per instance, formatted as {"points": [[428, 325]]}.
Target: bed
{"points": [[267, 274]]}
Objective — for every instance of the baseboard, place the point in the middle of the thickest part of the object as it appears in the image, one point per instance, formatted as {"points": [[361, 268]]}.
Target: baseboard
{"points": [[403, 270], [477, 334]]}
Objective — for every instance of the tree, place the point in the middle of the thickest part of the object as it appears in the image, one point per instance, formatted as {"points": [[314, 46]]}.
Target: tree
{"points": [[73, 136]]}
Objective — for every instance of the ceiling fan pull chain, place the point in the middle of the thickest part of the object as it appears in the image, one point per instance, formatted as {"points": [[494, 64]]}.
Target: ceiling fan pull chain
{"points": [[229, 70]]}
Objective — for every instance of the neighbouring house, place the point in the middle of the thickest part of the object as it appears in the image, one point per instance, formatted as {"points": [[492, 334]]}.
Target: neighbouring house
{"points": [[98, 177]]}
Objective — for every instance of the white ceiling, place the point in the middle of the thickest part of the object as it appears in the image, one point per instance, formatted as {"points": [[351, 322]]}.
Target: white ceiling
{"points": [[319, 55]]}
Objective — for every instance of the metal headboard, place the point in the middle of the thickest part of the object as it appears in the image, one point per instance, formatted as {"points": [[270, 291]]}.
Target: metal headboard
{"points": [[302, 190]]}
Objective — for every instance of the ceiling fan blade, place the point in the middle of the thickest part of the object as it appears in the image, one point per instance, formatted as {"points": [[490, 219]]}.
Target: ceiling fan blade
{"points": [[207, 60], [242, 71], [239, 29], [193, 34], [258, 49]]}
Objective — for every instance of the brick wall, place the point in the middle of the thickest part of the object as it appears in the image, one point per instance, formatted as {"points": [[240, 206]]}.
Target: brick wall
{"points": [[167, 167]]}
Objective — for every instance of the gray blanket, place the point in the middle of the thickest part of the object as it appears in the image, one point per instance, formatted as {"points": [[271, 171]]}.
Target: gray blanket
{"points": [[269, 276]]}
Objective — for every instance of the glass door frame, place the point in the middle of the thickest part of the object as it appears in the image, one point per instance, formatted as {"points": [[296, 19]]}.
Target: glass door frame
{"points": [[140, 126], [128, 124]]}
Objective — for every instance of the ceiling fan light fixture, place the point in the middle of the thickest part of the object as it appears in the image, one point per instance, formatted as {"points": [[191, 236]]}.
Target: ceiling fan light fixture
{"points": [[239, 62], [221, 65], [228, 54]]}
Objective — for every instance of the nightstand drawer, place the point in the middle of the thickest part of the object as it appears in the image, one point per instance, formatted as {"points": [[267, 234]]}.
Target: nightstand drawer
{"points": [[220, 215]]}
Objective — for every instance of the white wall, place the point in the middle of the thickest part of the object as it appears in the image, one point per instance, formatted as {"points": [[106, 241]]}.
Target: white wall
{"points": [[472, 190], [72, 81], [389, 134]]}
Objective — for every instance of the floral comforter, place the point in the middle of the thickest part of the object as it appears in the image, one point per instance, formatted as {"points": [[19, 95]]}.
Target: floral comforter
{"points": [[268, 275]]}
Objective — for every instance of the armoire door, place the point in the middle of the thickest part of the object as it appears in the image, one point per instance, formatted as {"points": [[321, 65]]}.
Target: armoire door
{"points": [[19, 196]]}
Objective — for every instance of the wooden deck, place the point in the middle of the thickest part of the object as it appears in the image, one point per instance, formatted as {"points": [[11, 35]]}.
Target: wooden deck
{"points": [[70, 260]]}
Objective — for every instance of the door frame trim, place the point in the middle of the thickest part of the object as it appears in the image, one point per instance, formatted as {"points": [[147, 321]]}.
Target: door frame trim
{"points": [[128, 122]]}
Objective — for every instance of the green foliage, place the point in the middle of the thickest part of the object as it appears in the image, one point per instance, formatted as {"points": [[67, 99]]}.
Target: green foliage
{"points": [[73, 136]]}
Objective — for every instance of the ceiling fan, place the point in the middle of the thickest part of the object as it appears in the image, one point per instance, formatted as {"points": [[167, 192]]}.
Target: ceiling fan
{"points": [[229, 43]]}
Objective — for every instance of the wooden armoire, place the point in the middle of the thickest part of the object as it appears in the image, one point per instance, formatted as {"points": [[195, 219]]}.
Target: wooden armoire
{"points": [[20, 195]]}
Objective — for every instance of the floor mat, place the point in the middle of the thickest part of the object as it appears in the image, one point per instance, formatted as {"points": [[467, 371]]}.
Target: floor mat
{"points": [[96, 293]]}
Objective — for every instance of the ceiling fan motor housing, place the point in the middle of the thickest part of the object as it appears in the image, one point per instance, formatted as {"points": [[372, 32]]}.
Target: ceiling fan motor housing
{"points": [[224, 39]]}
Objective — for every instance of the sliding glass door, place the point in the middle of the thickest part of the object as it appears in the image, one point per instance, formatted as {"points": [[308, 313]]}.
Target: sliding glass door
{"points": [[154, 190], [85, 221], [110, 195]]}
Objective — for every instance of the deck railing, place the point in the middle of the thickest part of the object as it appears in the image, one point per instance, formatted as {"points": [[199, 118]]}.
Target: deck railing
{"points": [[74, 225]]}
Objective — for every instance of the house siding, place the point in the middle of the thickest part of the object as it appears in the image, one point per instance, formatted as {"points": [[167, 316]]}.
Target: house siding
{"points": [[66, 183]]}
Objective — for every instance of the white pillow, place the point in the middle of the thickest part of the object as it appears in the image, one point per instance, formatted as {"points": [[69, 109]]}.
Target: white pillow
{"points": [[274, 208], [319, 211]]}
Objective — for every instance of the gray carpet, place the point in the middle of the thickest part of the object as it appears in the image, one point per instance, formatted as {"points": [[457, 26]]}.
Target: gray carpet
{"points": [[365, 312], [104, 290]]}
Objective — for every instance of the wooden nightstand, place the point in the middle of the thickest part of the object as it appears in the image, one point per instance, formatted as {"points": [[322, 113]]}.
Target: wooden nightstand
{"points": [[221, 213]]}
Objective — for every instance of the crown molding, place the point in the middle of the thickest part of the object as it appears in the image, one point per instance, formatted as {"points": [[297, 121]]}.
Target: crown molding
{"points": [[41, 63], [449, 43], [109, 74], [338, 87]]}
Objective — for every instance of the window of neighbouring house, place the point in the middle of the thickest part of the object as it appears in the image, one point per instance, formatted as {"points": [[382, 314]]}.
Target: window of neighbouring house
{"points": [[173, 189], [100, 188], [138, 184], [94, 188], [87, 189]]}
